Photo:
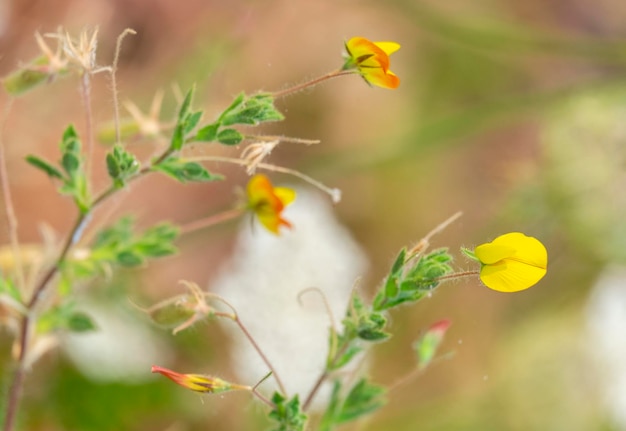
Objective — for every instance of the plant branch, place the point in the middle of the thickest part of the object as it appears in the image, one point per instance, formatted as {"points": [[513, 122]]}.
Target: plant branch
{"points": [[318, 383], [85, 92], [115, 91], [211, 220], [335, 194], [15, 390], [458, 275], [249, 336], [311, 83], [8, 202]]}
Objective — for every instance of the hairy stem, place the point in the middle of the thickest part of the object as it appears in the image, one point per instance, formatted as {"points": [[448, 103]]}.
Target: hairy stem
{"points": [[115, 92], [458, 275], [85, 92], [8, 202], [211, 221], [335, 194], [311, 83]]}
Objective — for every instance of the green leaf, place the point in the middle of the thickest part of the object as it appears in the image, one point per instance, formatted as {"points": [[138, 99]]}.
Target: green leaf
{"points": [[398, 264], [371, 327], [186, 105], [178, 137], [229, 137], [129, 258], [119, 245], [8, 287], [27, 77], [287, 414], [185, 171], [121, 165], [344, 359], [44, 166], [71, 163], [251, 110], [64, 317], [469, 253], [80, 322], [412, 284], [364, 398], [236, 103], [208, 133], [75, 184], [192, 121], [69, 135], [332, 410]]}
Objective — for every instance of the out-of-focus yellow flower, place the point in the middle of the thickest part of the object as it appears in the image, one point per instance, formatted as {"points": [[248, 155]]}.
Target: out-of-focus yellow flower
{"points": [[371, 59], [512, 262], [268, 202], [199, 382]]}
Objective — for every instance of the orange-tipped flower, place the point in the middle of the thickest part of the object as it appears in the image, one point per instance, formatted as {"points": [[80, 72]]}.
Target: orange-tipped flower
{"points": [[268, 202], [371, 59], [199, 382]]}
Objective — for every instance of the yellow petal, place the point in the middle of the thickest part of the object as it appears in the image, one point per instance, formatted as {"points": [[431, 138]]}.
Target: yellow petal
{"points": [[270, 220], [528, 250], [510, 276], [285, 194], [379, 78], [515, 246], [388, 47], [365, 53], [491, 253]]}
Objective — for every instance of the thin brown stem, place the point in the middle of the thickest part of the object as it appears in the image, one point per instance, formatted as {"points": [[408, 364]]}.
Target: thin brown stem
{"points": [[311, 83], [318, 383], [313, 392], [263, 398], [211, 221], [335, 194], [260, 395], [116, 107], [458, 275], [249, 336], [12, 222], [85, 91], [15, 390]]}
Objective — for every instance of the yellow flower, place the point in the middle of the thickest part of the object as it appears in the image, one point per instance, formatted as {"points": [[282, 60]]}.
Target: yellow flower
{"points": [[268, 202], [199, 382], [512, 262], [371, 59]]}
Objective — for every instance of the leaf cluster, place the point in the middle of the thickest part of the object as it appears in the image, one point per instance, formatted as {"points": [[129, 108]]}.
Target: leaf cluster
{"points": [[410, 279], [65, 317], [363, 398], [410, 283], [244, 110], [121, 165], [287, 414], [119, 245], [70, 171]]}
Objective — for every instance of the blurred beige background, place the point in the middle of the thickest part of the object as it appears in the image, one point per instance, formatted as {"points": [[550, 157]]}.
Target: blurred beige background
{"points": [[512, 112]]}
